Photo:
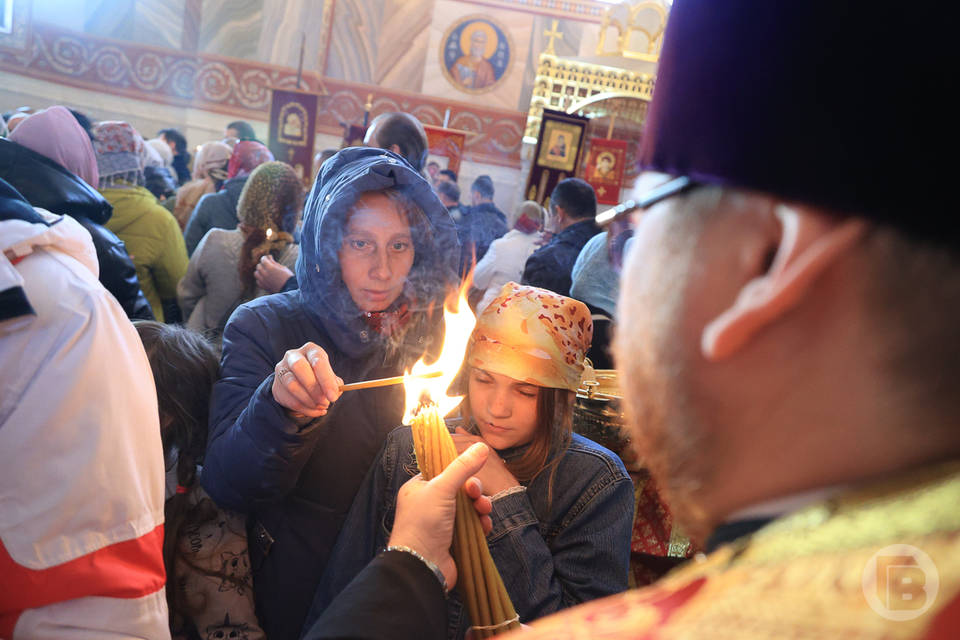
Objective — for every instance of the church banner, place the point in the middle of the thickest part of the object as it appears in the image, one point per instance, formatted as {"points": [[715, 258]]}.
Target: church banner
{"points": [[445, 149], [293, 118], [557, 154], [604, 168]]}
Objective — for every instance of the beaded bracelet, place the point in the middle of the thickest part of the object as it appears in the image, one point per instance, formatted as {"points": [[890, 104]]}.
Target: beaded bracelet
{"points": [[434, 568]]}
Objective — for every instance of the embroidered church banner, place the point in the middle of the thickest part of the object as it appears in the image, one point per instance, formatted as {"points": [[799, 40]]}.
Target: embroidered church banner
{"points": [[293, 118], [604, 168], [445, 149], [557, 154]]}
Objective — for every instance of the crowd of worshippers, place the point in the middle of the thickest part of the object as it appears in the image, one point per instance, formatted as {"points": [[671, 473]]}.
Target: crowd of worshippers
{"points": [[178, 458], [382, 241]]}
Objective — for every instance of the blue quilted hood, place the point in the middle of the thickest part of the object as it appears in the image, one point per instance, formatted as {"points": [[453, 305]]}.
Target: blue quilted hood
{"points": [[339, 183]]}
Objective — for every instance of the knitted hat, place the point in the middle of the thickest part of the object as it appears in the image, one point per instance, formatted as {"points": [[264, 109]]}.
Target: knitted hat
{"points": [[270, 198]]}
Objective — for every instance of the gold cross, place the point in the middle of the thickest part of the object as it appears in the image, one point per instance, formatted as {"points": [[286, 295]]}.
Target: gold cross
{"points": [[552, 33]]}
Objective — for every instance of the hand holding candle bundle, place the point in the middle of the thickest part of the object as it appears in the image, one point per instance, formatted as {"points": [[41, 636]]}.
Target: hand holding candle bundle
{"points": [[483, 591], [480, 584], [426, 510]]}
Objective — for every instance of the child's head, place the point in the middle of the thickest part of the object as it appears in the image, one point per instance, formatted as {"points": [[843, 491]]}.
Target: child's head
{"points": [[184, 366], [524, 364]]}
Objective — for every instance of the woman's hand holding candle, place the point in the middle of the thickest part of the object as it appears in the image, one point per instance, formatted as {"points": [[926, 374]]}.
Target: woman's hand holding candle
{"points": [[494, 475], [426, 510], [304, 383]]}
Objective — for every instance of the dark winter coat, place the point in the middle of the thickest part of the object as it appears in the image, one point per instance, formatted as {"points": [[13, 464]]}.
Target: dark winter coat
{"points": [[297, 481], [47, 185], [478, 227], [551, 266], [181, 166], [214, 210]]}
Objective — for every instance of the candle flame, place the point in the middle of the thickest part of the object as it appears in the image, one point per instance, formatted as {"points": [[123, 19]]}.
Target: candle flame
{"points": [[459, 322]]}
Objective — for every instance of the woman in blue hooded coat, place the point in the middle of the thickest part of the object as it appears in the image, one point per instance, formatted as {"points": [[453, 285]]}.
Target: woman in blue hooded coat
{"points": [[378, 255]]}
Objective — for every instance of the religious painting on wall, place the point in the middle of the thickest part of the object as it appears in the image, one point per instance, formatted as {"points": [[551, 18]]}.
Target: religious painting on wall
{"points": [[293, 116], [557, 154], [475, 55], [604, 168], [445, 149]]}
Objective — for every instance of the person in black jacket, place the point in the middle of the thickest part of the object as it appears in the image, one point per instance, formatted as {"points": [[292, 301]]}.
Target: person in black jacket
{"points": [[181, 157], [378, 255], [573, 205], [479, 225], [25, 162]]}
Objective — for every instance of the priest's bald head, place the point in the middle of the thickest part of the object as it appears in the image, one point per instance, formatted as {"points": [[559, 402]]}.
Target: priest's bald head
{"points": [[788, 310], [401, 133]]}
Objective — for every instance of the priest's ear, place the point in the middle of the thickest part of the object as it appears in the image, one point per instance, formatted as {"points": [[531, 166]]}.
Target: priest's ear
{"points": [[810, 242]]}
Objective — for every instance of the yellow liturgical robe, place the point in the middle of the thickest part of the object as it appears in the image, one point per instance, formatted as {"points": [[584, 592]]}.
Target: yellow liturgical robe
{"points": [[881, 561]]}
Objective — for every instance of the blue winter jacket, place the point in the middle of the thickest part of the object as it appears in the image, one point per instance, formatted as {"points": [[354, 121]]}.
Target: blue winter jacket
{"points": [[552, 552], [297, 481]]}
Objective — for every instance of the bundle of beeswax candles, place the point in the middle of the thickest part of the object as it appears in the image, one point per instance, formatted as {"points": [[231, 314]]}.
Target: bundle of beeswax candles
{"points": [[479, 581]]}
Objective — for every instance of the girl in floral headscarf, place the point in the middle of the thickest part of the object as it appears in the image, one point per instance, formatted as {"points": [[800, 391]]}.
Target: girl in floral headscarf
{"points": [[150, 232], [220, 275], [562, 505], [209, 172]]}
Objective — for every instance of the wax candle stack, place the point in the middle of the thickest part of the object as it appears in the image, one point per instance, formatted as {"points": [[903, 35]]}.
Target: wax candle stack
{"points": [[479, 582]]}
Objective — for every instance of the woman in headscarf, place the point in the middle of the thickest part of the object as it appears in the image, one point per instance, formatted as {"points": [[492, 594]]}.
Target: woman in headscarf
{"points": [[209, 172], [150, 232], [220, 275], [54, 167], [378, 255], [220, 209]]}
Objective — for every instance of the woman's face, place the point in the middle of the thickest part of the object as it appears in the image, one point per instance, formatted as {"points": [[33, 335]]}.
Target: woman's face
{"points": [[505, 409], [377, 252]]}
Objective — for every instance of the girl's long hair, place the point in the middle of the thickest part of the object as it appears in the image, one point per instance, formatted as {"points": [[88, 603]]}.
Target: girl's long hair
{"points": [[550, 440], [185, 366]]}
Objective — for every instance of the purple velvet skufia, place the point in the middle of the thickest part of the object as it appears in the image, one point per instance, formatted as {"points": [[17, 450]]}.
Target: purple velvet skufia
{"points": [[834, 103]]}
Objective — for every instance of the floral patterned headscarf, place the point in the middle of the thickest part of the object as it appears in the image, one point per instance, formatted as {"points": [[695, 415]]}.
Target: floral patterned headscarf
{"points": [[121, 154], [247, 156], [533, 335]]}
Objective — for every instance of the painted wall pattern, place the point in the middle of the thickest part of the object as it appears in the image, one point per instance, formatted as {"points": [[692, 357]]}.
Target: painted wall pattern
{"points": [[240, 87]]}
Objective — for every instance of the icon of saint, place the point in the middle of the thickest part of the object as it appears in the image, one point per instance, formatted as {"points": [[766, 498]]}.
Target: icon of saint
{"points": [[473, 71]]}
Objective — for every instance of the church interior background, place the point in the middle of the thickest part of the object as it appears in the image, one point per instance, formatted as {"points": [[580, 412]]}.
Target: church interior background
{"points": [[197, 64]]}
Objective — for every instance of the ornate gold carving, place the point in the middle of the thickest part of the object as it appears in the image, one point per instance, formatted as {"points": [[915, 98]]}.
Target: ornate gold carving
{"points": [[647, 18], [567, 85]]}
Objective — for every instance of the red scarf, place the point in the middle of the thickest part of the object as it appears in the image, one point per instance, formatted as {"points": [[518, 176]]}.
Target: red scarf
{"points": [[526, 224], [388, 322]]}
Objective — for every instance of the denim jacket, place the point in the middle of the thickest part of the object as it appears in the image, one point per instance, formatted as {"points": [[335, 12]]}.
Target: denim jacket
{"points": [[550, 555]]}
